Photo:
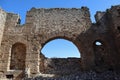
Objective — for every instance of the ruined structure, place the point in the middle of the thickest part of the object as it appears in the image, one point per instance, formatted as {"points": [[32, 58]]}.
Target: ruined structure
{"points": [[20, 45]]}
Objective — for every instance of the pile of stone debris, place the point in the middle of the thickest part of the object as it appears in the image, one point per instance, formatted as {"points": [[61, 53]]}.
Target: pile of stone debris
{"points": [[91, 75]]}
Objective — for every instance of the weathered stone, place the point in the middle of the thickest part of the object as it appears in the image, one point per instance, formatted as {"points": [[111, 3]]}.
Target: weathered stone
{"points": [[20, 45]]}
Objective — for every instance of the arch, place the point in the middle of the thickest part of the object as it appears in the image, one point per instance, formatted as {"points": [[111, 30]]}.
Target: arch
{"points": [[55, 37], [18, 56], [64, 45], [46, 63], [64, 38]]}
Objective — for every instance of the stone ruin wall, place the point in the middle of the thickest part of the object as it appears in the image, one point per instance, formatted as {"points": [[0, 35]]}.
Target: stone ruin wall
{"points": [[32, 36], [59, 66], [21, 44], [2, 23]]}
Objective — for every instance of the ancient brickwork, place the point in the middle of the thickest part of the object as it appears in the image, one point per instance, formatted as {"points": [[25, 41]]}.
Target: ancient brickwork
{"points": [[2, 23], [20, 49], [56, 23], [61, 66]]}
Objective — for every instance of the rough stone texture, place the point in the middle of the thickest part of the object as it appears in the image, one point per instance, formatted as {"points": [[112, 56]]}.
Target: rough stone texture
{"points": [[2, 23], [61, 66], [20, 47], [17, 58], [91, 75]]}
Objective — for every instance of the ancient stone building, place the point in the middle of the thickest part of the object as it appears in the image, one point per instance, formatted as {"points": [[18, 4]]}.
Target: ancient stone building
{"points": [[20, 45]]}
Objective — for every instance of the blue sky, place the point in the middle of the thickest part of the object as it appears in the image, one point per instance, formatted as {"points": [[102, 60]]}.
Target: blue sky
{"points": [[65, 47], [21, 6], [60, 48]]}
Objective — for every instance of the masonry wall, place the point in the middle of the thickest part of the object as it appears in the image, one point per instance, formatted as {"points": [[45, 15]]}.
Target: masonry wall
{"points": [[61, 66], [58, 19], [44, 25], [115, 32], [2, 23], [107, 32]]}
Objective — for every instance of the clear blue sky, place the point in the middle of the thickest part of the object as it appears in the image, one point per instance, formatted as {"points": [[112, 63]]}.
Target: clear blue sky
{"points": [[60, 48], [66, 48]]}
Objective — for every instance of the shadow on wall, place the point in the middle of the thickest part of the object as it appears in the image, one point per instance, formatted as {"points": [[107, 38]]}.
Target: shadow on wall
{"points": [[102, 43], [59, 66]]}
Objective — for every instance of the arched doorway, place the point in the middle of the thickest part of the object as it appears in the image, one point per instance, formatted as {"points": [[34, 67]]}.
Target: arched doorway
{"points": [[18, 56], [60, 56]]}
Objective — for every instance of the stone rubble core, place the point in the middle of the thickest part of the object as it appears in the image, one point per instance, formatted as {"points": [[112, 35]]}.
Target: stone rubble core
{"points": [[20, 45]]}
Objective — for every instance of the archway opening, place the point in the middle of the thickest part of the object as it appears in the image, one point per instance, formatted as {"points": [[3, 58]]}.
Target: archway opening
{"points": [[60, 56], [18, 56], [60, 48]]}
